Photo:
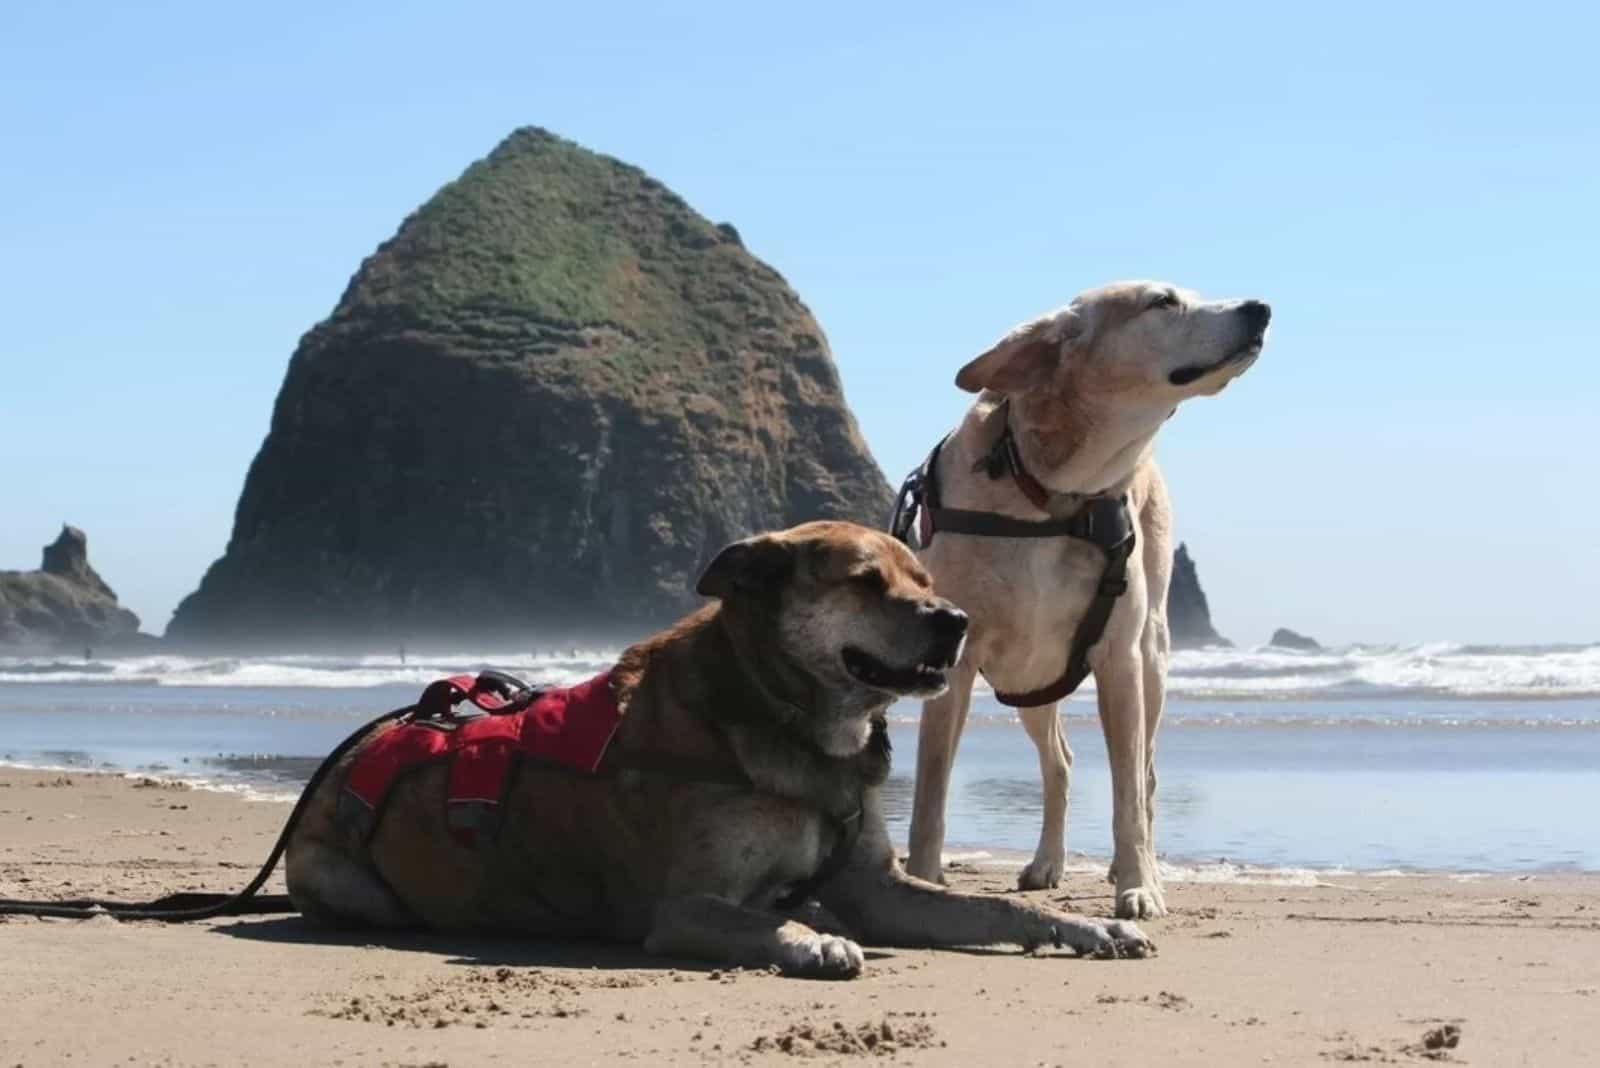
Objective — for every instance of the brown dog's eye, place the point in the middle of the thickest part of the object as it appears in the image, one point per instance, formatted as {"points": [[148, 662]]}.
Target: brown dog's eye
{"points": [[871, 581], [1164, 300]]}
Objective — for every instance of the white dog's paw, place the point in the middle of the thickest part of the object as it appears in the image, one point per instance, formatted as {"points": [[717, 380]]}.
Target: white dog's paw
{"points": [[1042, 873], [822, 956], [1140, 903]]}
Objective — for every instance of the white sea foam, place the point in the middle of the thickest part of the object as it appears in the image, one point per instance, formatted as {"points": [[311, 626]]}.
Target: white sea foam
{"points": [[1436, 670], [1216, 871], [317, 672], [243, 789]]}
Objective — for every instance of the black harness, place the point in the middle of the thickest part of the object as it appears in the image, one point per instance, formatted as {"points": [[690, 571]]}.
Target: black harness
{"points": [[1101, 520]]}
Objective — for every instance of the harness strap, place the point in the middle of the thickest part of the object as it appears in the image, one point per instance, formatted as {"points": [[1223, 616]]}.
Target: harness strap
{"points": [[845, 833], [1113, 583], [491, 691], [512, 722], [1005, 458], [1102, 521], [1080, 524]]}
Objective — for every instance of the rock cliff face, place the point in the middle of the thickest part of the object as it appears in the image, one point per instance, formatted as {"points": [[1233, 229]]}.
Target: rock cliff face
{"points": [[64, 603], [1188, 614], [540, 407]]}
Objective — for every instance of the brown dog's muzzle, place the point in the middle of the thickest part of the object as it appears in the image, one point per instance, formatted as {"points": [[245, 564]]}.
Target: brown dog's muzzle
{"points": [[935, 629]]}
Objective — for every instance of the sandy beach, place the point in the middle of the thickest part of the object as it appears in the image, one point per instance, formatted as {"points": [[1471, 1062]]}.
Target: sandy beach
{"points": [[1357, 968]]}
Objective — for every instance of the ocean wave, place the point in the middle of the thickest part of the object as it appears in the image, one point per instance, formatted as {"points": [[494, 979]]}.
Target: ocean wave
{"points": [[1433, 670], [1218, 871], [316, 672]]}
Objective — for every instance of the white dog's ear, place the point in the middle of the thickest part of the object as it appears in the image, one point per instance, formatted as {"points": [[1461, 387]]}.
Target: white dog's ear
{"points": [[1024, 358], [754, 565]]}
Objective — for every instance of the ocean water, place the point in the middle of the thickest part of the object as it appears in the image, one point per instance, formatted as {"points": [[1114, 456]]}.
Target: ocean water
{"points": [[1428, 758]]}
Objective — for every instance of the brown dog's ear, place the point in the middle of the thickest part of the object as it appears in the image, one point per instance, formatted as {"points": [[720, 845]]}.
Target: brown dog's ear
{"points": [[749, 566], [1023, 359]]}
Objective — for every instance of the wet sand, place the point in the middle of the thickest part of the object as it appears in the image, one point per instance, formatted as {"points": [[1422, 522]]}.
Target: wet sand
{"points": [[1357, 968]]}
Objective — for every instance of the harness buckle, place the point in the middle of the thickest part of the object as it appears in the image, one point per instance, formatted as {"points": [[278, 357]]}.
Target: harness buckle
{"points": [[1113, 587], [909, 505]]}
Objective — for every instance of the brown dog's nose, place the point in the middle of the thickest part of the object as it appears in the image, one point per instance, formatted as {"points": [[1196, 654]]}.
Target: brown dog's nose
{"points": [[946, 620], [1257, 314]]}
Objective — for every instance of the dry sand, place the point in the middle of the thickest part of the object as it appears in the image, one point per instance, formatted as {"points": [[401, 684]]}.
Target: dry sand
{"points": [[1357, 969]]}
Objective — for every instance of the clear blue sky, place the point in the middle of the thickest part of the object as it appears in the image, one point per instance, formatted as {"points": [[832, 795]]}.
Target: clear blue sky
{"points": [[185, 188]]}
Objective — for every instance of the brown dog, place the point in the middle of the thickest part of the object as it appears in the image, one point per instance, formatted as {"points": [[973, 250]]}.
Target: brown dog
{"points": [[776, 696]]}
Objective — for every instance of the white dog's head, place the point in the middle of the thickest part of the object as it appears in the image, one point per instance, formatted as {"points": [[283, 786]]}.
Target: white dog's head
{"points": [[1161, 342], [1115, 362]]}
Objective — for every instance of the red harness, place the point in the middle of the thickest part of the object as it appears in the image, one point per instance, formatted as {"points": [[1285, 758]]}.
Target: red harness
{"points": [[571, 727]]}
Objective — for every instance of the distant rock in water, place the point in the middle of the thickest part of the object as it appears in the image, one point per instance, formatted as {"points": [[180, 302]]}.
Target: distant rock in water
{"points": [[1188, 614], [541, 407], [64, 603], [1284, 638]]}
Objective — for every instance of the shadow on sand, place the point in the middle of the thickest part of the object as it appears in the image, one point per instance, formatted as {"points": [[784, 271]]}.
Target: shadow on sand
{"points": [[468, 949], [475, 950]]}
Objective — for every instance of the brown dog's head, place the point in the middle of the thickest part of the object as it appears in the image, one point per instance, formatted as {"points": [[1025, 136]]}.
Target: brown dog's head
{"points": [[837, 619]]}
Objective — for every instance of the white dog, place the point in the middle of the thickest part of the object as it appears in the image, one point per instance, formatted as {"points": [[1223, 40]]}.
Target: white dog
{"points": [[1046, 519]]}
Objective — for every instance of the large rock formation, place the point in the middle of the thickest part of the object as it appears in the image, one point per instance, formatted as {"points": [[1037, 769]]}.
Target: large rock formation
{"points": [[64, 603], [1284, 638], [541, 406], [1188, 614]]}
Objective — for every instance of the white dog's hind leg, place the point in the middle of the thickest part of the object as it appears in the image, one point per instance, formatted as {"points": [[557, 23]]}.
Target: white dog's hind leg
{"points": [[1155, 517], [1119, 680], [1055, 769], [943, 720]]}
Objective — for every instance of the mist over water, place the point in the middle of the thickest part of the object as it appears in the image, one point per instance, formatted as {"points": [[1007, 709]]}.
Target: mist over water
{"points": [[1435, 757]]}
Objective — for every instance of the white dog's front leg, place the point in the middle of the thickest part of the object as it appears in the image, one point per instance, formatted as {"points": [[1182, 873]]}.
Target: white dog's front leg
{"points": [[943, 720], [1119, 679], [1157, 646], [1055, 770]]}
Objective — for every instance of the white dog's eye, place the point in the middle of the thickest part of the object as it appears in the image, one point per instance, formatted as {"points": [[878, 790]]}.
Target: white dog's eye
{"points": [[1164, 300]]}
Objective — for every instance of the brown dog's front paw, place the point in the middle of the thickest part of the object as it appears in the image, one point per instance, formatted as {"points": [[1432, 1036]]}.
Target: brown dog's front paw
{"points": [[1128, 941], [1106, 940], [822, 956]]}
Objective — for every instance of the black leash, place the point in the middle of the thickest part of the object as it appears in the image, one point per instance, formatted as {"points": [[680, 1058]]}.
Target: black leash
{"points": [[191, 905]]}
